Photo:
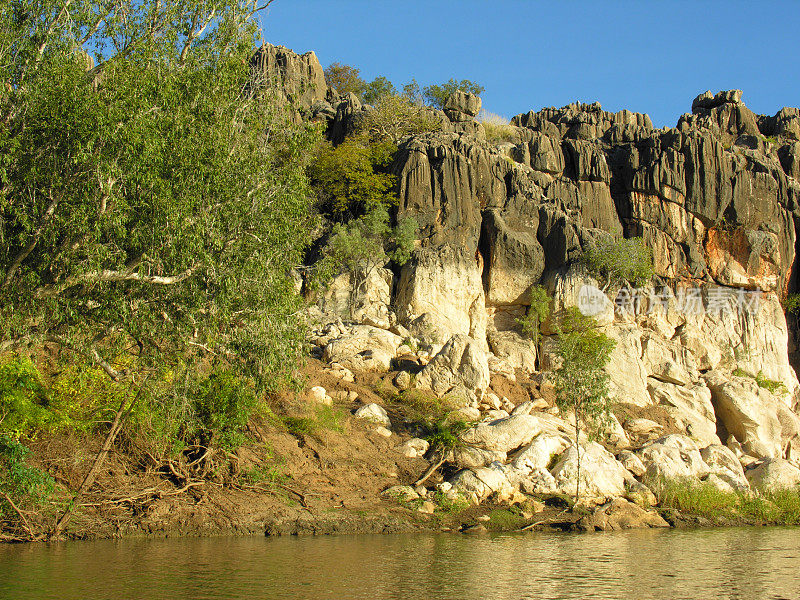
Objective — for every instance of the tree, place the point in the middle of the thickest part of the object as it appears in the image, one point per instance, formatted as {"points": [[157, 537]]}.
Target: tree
{"points": [[395, 117], [377, 89], [538, 311], [350, 179], [413, 93], [581, 381], [367, 243], [149, 207], [345, 79], [620, 261], [436, 95]]}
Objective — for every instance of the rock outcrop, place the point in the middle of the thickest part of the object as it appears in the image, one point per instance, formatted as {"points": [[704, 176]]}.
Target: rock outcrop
{"points": [[704, 351]]}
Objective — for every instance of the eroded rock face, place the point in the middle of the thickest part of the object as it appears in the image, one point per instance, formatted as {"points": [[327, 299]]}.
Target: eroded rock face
{"points": [[713, 197]]}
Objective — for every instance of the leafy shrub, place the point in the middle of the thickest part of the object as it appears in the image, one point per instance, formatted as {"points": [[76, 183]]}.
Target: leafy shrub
{"points": [[436, 95], [349, 180], [23, 399], [538, 311], [23, 483], [222, 407], [345, 78], [396, 117], [377, 89], [448, 504], [323, 418], [624, 260], [443, 434]]}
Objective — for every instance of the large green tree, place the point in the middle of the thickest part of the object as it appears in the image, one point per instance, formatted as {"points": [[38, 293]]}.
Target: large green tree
{"points": [[150, 195]]}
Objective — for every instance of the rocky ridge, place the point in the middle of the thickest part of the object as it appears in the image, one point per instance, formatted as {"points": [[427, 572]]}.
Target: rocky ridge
{"points": [[715, 197]]}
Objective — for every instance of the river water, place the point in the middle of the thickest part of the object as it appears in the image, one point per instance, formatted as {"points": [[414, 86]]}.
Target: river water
{"points": [[746, 563]]}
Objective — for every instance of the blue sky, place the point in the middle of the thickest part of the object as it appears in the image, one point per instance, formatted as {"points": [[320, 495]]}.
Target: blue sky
{"points": [[647, 56]]}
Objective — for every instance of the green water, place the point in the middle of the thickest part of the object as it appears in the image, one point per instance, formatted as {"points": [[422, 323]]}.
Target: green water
{"points": [[747, 564]]}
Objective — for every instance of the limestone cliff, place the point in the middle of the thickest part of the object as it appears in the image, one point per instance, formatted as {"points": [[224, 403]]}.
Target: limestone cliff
{"points": [[715, 197]]}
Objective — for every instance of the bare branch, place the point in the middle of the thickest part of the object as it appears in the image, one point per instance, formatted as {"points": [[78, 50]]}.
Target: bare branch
{"points": [[107, 275]]}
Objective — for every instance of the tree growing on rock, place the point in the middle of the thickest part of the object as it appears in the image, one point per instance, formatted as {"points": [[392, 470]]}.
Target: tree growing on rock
{"points": [[619, 261], [581, 381], [538, 310], [345, 78], [396, 117], [436, 94]]}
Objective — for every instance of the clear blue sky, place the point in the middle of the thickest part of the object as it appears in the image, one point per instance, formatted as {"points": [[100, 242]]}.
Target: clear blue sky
{"points": [[648, 56]]}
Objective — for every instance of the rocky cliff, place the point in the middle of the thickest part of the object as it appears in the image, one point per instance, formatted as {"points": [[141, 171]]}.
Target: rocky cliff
{"points": [[703, 353]]}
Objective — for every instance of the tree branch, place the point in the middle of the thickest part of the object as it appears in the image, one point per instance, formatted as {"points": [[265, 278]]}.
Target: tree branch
{"points": [[48, 213], [107, 275]]}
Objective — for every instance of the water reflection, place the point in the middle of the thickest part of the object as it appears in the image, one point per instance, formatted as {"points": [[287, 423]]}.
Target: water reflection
{"points": [[746, 563]]}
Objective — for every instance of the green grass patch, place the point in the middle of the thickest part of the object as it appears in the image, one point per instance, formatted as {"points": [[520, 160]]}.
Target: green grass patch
{"points": [[448, 504], [323, 418], [779, 507]]}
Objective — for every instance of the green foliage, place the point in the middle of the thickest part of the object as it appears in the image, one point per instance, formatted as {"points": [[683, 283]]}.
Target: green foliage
{"points": [[581, 381], [448, 504], [761, 380], [345, 78], [623, 260], [701, 498], [443, 434], [769, 384], [506, 519], [413, 93], [396, 117], [350, 179], [22, 483], [436, 95], [377, 89], [222, 406], [792, 303], [23, 398], [323, 418], [366, 243], [153, 203], [538, 311]]}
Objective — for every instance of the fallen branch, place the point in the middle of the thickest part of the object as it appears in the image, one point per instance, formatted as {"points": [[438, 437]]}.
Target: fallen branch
{"points": [[432, 469], [25, 523], [125, 409]]}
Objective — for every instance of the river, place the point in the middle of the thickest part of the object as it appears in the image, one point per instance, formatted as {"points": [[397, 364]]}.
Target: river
{"points": [[741, 563]]}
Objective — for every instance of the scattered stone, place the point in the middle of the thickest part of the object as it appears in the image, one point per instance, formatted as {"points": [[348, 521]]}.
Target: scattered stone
{"points": [[382, 431], [403, 380], [401, 493], [427, 507], [632, 462], [483, 518], [374, 413], [320, 395], [413, 448]]}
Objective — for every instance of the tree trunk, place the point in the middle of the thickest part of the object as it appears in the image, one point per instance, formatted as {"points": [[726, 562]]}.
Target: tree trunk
{"points": [[578, 451]]}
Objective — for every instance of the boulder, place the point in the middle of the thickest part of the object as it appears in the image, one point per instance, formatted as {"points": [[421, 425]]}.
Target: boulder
{"points": [[479, 483], [514, 349], [749, 413], [413, 448], [462, 106], [466, 457], [400, 493], [460, 365], [673, 457], [540, 452], [504, 435], [374, 413], [773, 474], [620, 514], [725, 466], [365, 348], [632, 463], [601, 476]]}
